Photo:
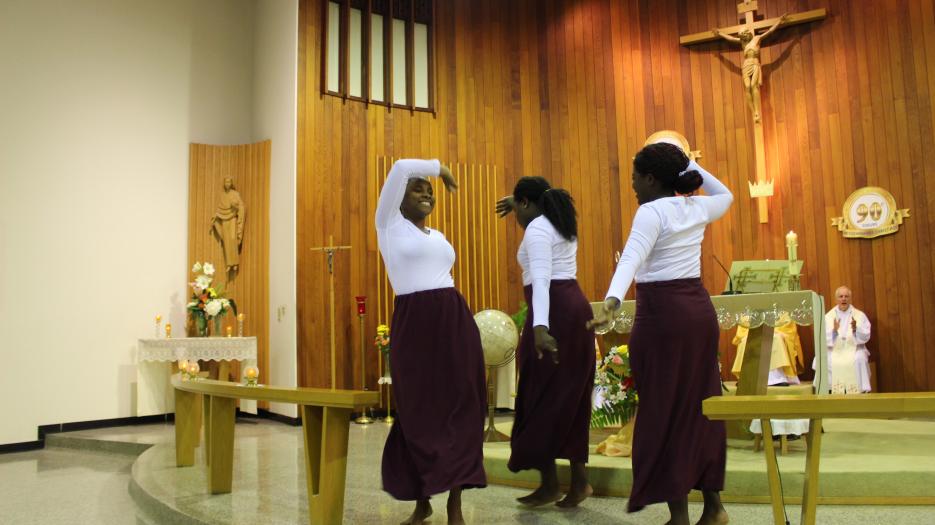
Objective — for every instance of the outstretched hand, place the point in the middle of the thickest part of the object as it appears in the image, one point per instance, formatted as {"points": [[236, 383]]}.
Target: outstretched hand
{"points": [[448, 179], [545, 343], [605, 316], [505, 206]]}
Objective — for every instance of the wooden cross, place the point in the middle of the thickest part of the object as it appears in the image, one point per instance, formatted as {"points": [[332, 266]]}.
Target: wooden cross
{"points": [[746, 35], [329, 251]]}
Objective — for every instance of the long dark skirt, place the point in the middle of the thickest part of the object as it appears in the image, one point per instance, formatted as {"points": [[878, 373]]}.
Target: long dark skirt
{"points": [[673, 356], [553, 402], [437, 365]]}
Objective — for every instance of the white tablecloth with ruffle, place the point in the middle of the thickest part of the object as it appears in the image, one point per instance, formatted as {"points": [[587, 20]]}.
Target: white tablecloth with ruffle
{"points": [[154, 358]]}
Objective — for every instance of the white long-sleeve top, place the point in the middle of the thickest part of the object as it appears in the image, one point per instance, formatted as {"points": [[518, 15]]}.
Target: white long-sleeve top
{"points": [[665, 241], [545, 255], [415, 259]]}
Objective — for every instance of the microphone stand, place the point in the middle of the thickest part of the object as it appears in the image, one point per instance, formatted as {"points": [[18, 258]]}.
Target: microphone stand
{"points": [[730, 280]]}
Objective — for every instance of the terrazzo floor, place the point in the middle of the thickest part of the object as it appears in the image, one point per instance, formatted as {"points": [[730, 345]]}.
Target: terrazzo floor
{"points": [[71, 482]]}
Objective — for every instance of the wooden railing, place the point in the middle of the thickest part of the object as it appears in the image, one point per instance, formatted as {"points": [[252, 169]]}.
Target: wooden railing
{"points": [[815, 408], [326, 416]]}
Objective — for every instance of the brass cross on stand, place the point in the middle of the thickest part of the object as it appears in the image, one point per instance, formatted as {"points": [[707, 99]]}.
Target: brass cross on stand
{"points": [[746, 35], [329, 251]]}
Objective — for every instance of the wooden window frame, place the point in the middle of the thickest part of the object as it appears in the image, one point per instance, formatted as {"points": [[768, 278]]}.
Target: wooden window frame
{"points": [[366, 8]]}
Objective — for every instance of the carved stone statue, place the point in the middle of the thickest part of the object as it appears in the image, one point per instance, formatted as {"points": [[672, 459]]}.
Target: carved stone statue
{"points": [[751, 68], [227, 225]]}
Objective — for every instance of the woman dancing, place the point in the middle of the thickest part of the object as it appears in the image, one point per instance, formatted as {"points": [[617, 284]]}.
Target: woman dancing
{"points": [[437, 365], [553, 403], [674, 342]]}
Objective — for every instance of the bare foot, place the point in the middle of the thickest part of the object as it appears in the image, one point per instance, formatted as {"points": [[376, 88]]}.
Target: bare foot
{"points": [[541, 496], [575, 496], [421, 513], [716, 518]]}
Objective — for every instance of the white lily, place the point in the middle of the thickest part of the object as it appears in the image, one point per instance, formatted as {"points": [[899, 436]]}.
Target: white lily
{"points": [[208, 268], [196, 268]]}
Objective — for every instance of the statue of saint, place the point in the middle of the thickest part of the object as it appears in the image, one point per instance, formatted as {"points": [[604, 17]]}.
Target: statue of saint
{"points": [[227, 225], [751, 68]]}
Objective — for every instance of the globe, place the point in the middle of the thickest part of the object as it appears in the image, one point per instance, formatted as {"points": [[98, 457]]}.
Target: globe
{"points": [[498, 337], [672, 137]]}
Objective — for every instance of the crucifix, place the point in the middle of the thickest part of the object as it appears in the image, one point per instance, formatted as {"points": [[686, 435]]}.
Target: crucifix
{"points": [[746, 36], [329, 251]]}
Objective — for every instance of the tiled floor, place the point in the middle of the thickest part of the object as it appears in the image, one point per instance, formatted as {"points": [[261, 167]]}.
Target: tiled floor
{"points": [[65, 486]]}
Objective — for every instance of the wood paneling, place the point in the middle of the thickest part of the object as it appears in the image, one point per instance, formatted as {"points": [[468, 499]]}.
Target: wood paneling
{"points": [[570, 90], [249, 167]]}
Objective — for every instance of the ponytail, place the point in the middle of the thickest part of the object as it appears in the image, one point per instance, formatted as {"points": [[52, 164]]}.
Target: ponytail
{"points": [[559, 208], [555, 204]]}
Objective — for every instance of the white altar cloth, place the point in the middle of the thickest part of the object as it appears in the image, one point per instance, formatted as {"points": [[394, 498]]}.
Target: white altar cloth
{"points": [[154, 394]]}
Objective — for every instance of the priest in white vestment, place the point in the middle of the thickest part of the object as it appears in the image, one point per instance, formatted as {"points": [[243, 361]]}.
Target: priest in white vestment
{"points": [[848, 330]]}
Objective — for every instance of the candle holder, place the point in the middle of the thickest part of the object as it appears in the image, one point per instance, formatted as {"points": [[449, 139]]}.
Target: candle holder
{"points": [[240, 318], [230, 331], [251, 375], [158, 326], [168, 330], [364, 419]]}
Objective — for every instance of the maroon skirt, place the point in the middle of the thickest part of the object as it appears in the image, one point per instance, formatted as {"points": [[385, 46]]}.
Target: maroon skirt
{"points": [[673, 356], [553, 402], [437, 366]]}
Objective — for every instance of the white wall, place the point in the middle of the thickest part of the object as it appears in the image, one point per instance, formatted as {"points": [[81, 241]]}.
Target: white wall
{"points": [[98, 102], [274, 117]]}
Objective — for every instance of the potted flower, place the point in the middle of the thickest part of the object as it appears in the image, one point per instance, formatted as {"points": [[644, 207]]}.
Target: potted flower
{"points": [[207, 301]]}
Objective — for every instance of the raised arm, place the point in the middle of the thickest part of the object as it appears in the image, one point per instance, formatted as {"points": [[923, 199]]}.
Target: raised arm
{"points": [[729, 38], [394, 189], [718, 197], [774, 27]]}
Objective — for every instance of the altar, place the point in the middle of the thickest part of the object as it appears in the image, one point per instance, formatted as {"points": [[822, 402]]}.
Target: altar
{"points": [[760, 312], [154, 394]]}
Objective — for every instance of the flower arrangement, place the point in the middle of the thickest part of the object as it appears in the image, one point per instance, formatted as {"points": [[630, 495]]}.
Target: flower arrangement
{"points": [[382, 342], [617, 398], [207, 302]]}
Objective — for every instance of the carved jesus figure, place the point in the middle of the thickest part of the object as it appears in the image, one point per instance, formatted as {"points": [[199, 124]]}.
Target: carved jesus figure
{"points": [[227, 224], [751, 68]]}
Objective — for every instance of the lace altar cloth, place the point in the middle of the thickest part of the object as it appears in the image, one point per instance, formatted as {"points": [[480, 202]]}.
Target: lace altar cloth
{"points": [[200, 348]]}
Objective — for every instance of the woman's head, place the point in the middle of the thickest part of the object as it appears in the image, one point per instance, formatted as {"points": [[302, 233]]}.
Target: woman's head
{"points": [[661, 170], [534, 196], [419, 200]]}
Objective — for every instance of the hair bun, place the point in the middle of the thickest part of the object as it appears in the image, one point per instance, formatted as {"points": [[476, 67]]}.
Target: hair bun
{"points": [[688, 181]]}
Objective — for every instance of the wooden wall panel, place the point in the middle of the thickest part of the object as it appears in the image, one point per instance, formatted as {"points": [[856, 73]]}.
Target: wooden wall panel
{"points": [[569, 89], [249, 166]]}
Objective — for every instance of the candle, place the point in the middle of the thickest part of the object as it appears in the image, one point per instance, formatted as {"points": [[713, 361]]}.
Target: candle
{"points": [[361, 304], [250, 374], [168, 330], [158, 322], [183, 366], [792, 243], [230, 331], [240, 325], [193, 368]]}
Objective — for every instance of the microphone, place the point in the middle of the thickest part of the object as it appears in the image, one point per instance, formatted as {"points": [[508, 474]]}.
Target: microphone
{"points": [[730, 281]]}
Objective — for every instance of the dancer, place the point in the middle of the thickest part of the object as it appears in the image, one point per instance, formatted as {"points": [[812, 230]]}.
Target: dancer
{"points": [[436, 360], [556, 351], [674, 342]]}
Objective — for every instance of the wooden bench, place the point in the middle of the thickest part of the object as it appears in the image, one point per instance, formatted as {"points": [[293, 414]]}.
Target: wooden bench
{"points": [[326, 416], [815, 408]]}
